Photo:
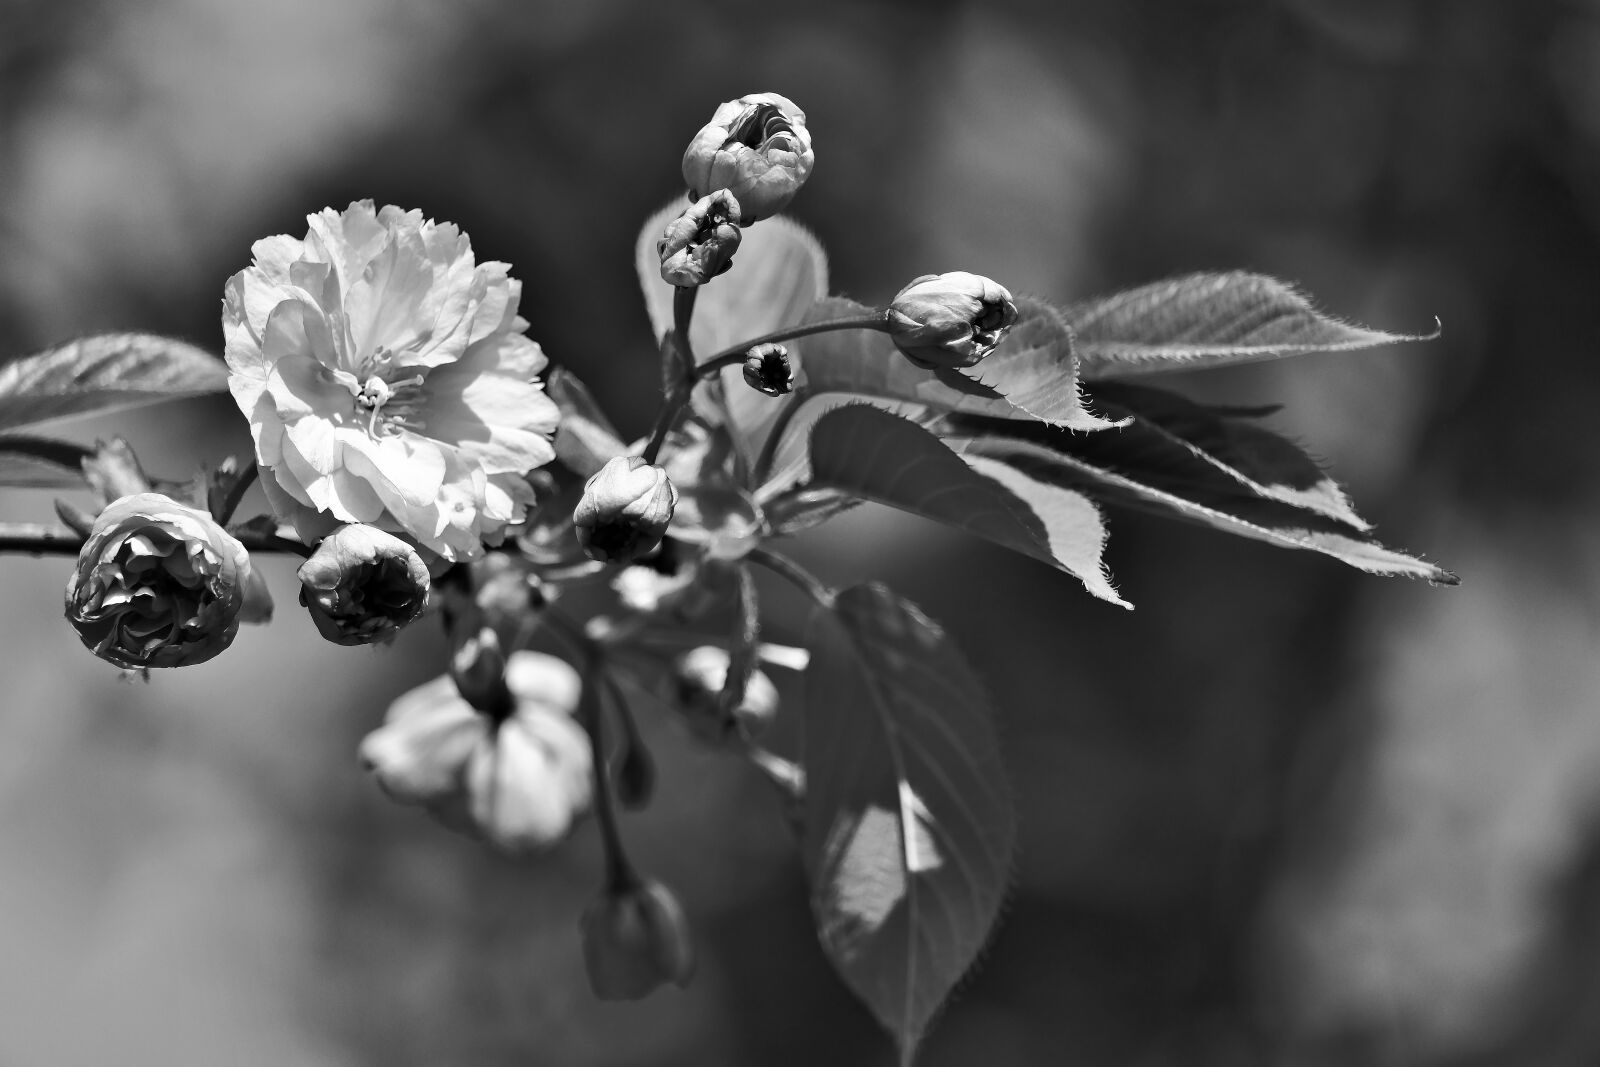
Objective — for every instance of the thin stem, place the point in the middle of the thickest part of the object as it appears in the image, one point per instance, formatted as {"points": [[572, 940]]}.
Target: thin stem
{"points": [[236, 492], [794, 574], [729, 356], [620, 875], [769, 447], [40, 540], [680, 379]]}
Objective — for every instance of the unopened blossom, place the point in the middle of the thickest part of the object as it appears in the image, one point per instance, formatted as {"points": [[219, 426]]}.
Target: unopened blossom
{"points": [[157, 584], [713, 712], [387, 380], [518, 781], [950, 320], [625, 510], [767, 369], [636, 938], [363, 585], [699, 244], [757, 147]]}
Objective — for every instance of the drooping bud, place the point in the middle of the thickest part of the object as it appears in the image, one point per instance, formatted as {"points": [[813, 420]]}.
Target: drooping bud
{"points": [[950, 320], [518, 781], [635, 939], [766, 369], [700, 682], [699, 244], [625, 510], [758, 148], [157, 584], [363, 585]]}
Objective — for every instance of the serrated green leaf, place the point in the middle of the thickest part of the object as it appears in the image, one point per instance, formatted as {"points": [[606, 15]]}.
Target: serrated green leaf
{"points": [[865, 451], [106, 372], [1119, 477], [1209, 320], [909, 829], [779, 271], [28, 462], [1255, 460], [1030, 376]]}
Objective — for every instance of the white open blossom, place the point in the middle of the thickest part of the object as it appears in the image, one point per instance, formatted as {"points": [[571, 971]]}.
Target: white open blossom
{"points": [[387, 380]]}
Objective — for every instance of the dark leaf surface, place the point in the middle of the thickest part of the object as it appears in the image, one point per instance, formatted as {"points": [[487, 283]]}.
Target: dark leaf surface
{"points": [[870, 453], [1150, 481], [909, 829]]}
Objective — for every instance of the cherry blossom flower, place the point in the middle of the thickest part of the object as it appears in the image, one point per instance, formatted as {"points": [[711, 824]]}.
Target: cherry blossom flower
{"points": [[387, 380]]}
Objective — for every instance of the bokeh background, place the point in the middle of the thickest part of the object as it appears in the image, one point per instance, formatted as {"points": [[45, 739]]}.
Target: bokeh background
{"points": [[1283, 813]]}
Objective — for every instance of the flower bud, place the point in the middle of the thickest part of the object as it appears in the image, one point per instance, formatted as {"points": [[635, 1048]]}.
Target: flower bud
{"points": [[699, 244], [757, 147], [766, 369], [635, 939], [950, 320], [363, 585], [625, 510], [518, 781], [157, 584], [715, 715]]}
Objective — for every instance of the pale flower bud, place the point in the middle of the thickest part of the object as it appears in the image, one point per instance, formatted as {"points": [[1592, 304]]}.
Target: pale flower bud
{"points": [[757, 147], [634, 940], [950, 320], [517, 780], [699, 244], [363, 585], [157, 584], [625, 510], [700, 686], [767, 369]]}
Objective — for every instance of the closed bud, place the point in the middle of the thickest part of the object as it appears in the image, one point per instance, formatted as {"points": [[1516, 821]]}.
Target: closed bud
{"points": [[635, 939], [757, 147], [950, 320], [766, 368], [715, 713], [699, 244], [625, 510], [363, 585], [157, 584]]}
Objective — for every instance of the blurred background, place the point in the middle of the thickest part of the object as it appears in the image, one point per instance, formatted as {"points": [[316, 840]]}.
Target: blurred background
{"points": [[1283, 813]]}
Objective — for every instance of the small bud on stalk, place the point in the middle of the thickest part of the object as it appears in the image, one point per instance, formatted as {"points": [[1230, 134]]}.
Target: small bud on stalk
{"points": [[767, 369], [363, 585], [757, 147], [699, 244], [950, 320], [635, 939], [157, 584], [699, 682], [625, 510]]}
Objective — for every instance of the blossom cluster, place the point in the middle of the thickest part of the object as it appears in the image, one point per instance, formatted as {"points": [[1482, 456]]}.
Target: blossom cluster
{"points": [[401, 420]]}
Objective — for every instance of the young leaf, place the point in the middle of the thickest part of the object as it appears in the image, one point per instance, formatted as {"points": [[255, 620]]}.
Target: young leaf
{"points": [[909, 828], [862, 450], [1032, 375], [41, 462], [1128, 478], [585, 439], [779, 271], [1258, 461], [1035, 369], [106, 372], [1208, 320]]}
